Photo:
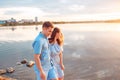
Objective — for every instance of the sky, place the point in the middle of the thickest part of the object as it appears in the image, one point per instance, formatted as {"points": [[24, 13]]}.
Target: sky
{"points": [[60, 10]]}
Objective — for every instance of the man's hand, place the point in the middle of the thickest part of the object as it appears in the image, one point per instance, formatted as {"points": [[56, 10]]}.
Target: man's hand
{"points": [[42, 75]]}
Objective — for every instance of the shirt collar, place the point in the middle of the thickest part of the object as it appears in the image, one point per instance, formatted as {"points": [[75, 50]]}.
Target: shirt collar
{"points": [[43, 35]]}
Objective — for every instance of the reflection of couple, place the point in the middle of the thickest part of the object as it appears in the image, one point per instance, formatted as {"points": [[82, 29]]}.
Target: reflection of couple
{"points": [[48, 53]]}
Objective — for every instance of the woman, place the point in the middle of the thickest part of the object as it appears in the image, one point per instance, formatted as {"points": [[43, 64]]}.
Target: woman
{"points": [[56, 44]]}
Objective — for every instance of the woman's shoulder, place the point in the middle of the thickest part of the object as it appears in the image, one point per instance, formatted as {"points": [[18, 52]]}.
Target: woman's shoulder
{"points": [[54, 44], [51, 44]]}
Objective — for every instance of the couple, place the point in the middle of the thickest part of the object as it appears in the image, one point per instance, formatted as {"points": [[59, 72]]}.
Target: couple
{"points": [[48, 53]]}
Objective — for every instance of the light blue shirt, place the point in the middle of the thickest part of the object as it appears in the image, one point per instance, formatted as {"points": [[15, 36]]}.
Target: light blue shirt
{"points": [[41, 46]]}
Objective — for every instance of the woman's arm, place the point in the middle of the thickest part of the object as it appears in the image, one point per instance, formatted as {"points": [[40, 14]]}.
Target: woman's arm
{"points": [[61, 60]]}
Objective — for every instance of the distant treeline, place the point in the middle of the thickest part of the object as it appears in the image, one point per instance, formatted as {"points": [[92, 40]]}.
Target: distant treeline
{"points": [[59, 22]]}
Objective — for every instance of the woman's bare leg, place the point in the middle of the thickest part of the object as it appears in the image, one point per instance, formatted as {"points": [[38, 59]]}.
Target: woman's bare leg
{"points": [[61, 78], [53, 79]]}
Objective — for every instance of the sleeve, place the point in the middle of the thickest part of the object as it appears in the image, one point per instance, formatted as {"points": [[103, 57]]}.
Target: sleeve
{"points": [[37, 47]]}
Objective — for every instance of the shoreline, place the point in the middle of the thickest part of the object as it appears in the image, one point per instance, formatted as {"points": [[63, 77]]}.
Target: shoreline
{"points": [[62, 22]]}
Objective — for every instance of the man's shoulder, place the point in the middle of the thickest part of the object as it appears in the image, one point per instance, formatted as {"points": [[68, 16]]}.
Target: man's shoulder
{"points": [[38, 38]]}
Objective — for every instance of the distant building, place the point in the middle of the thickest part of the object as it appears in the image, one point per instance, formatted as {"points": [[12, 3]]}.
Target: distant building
{"points": [[36, 19], [12, 20], [2, 21], [25, 21]]}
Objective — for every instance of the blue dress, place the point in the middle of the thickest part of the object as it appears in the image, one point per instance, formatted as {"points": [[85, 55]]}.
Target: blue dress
{"points": [[55, 50]]}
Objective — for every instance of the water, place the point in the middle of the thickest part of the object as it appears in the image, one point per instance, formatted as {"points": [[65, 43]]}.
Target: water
{"points": [[91, 51]]}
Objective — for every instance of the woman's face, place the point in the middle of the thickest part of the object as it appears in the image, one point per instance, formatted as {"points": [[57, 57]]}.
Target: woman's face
{"points": [[58, 35]]}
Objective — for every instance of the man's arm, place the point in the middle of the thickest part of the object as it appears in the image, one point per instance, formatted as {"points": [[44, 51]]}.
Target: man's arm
{"points": [[38, 63], [39, 66]]}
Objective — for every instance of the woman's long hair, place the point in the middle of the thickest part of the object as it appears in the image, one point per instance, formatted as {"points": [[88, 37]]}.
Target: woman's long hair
{"points": [[52, 37]]}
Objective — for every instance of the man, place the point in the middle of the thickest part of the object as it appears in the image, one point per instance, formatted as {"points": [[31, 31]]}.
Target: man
{"points": [[41, 51]]}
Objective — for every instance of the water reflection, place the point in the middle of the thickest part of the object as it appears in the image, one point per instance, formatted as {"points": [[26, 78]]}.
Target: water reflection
{"points": [[36, 28], [88, 47], [29, 32], [13, 28], [19, 33]]}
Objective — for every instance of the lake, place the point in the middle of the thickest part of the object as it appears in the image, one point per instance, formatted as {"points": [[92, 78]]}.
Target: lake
{"points": [[91, 51]]}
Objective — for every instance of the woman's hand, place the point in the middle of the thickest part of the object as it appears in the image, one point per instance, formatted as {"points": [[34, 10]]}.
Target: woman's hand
{"points": [[62, 67]]}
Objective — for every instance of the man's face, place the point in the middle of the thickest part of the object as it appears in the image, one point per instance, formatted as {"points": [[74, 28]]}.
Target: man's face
{"points": [[48, 31]]}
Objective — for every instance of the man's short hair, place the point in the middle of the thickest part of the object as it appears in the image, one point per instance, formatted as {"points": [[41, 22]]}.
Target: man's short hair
{"points": [[48, 24]]}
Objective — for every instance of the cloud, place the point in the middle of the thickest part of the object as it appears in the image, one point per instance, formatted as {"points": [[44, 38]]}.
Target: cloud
{"points": [[84, 17], [12, 12], [26, 13], [76, 7], [21, 12], [61, 9], [63, 1]]}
